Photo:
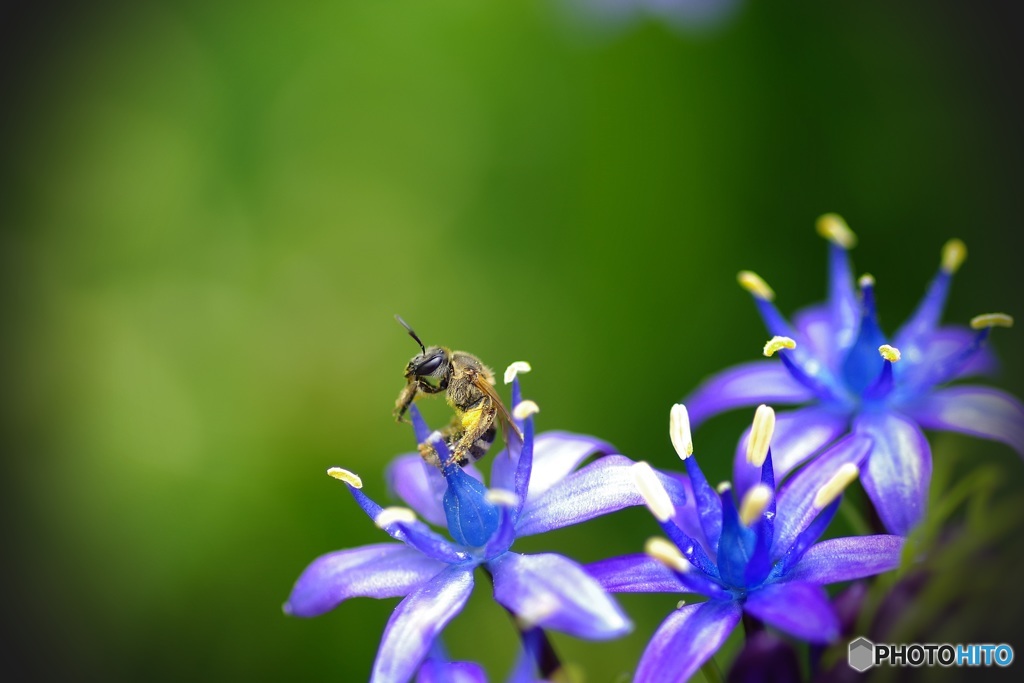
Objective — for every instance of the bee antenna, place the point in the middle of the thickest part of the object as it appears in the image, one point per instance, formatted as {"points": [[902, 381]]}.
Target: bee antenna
{"points": [[411, 332]]}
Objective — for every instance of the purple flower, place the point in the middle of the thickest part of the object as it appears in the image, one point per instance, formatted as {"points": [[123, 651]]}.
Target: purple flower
{"points": [[756, 554], [855, 378], [438, 668], [536, 489]]}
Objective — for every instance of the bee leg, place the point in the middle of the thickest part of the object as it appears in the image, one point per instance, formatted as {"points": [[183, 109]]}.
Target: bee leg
{"points": [[408, 395], [477, 438], [429, 454]]}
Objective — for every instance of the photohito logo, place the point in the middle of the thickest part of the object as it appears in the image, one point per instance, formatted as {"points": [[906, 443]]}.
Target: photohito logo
{"points": [[863, 654]]}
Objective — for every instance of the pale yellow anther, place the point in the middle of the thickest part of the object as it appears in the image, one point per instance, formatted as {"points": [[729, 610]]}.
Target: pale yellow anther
{"points": [[776, 344], [650, 489], [520, 367], [723, 487], [889, 353], [681, 604], [753, 283], [391, 515], [754, 503], [954, 253], [502, 497], [832, 227], [525, 409], [761, 432], [866, 280], [679, 431], [843, 477], [350, 478], [667, 553], [980, 322]]}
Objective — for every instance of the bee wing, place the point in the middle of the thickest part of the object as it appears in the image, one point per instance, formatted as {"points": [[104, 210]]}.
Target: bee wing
{"points": [[508, 427]]}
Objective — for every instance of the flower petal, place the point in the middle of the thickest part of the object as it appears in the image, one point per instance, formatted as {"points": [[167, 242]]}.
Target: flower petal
{"points": [[845, 559], [443, 671], [417, 621], [800, 609], [384, 570], [798, 435], [818, 332], [795, 506], [978, 411], [556, 454], [603, 486], [634, 574], [762, 381], [418, 485], [553, 592], [918, 360], [685, 640], [898, 470]]}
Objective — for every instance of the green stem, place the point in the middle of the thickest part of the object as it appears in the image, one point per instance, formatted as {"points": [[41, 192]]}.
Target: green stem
{"points": [[712, 674]]}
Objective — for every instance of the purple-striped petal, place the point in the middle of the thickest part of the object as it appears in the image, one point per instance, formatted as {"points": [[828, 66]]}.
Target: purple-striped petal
{"points": [[603, 486], [898, 470], [417, 621], [800, 609], [795, 506], [557, 454], [918, 361], [553, 592], [384, 570], [418, 485], [762, 381], [686, 640], [634, 574], [443, 671], [818, 333], [978, 411], [845, 559], [798, 435]]}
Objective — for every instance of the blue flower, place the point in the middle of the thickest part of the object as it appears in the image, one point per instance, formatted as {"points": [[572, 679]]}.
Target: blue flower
{"points": [[755, 554], [837, 358], [533, 490], [438, 668]]}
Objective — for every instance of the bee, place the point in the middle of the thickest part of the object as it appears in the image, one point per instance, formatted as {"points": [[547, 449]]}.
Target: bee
{"points": [[468, 386]]}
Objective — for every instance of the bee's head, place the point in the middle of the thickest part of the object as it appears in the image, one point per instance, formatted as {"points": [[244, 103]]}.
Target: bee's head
{"points": [[433, 362]]}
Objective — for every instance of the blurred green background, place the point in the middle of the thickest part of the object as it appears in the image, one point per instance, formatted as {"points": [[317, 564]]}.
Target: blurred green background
{"points": [[211, 212]]}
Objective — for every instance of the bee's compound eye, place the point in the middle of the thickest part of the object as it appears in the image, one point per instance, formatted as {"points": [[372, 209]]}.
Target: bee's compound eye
{"points": [[429, 365]]}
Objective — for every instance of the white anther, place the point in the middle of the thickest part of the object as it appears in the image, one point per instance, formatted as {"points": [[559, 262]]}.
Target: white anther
{"points": [[777, 343], [754, 503], [667, 553], [843, 477], [350, 478], [518, 368], [391, 515], [889, 353], [753, 283], [979, 322], [761, 432], [832, 227], [679, 431], [954, 253], [525, 409], [650, 489], [502, 497]]}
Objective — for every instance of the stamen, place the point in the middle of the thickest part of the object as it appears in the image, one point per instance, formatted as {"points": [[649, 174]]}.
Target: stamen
{"points": [[866, 281], [667, 553], [516, 368], [777, 343], [501, 497], [760, 435], [349, 478], [681, 604], [843, 477], [980, 322], [754, 503], [525, 409], [390, 515], [832, 227], [653, 493], [954, 252], [679, 431], [723, 487], [753, 283], [435, 437], [889, 353]]}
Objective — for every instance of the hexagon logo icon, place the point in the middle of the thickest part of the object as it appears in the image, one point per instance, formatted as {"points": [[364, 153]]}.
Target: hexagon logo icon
{"points": [[861, 655]]}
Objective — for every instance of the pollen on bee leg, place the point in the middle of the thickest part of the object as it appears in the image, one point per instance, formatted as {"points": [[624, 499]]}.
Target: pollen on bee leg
{"points": [[889, 353], [502, 497], [525, 409], [520, 367], [651, 490], [776, 344], [980, 322], [831, 490], [391, 515], [679, 431], [761, 432], [954, 252], [752, 282], [832, 227], [754, 503], [350, 478], [667, 553]]}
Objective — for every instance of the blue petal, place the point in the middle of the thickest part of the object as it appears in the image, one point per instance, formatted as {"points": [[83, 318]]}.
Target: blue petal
{"points": [[384, 570], [686, 640], [862, 364], [819, 335], [842, 296], [603, 486], [845, 559], [800, 609], [978, 411], [556, 455], [915, 364], [524, 468], [920, 325], [442, 671], [736, 545], [634, 574], [749, 384], [706, 504], [553, 592], [417, 621], [421, 486], [898, 471], [472, 520]]}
